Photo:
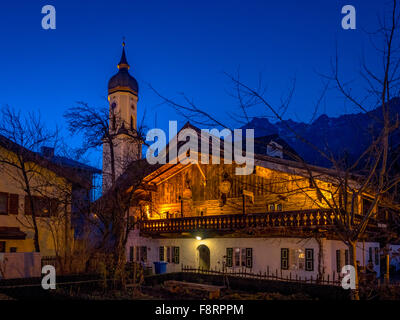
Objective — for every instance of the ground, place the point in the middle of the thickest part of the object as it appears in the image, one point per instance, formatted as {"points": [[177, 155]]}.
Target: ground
{"points": [[158, 292]]}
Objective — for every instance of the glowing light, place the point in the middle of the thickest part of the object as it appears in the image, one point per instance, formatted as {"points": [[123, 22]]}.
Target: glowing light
{"points": [[198, 238]]}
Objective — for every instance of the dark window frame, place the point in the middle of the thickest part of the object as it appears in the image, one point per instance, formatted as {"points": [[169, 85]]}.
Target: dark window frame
{"points": [[285, 258], [229, 257], [309, 261], [249, 258]]}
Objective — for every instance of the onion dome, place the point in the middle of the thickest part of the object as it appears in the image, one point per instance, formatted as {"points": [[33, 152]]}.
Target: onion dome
{"points": [[123, 81]]}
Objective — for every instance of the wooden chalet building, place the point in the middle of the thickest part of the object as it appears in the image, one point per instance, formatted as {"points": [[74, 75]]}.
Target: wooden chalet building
{"points": [[205, 216]]}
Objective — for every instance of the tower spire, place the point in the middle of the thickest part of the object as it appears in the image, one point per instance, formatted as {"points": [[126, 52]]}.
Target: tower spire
{"points": [[123, 63]]}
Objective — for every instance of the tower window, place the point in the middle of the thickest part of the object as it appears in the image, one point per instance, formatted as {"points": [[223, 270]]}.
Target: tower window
{"points": [[132, 106], [114, 122], [113, 105], [132, 128]]}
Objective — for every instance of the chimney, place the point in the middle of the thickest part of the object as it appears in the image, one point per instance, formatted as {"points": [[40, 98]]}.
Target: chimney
{"points": [[47, 152]]}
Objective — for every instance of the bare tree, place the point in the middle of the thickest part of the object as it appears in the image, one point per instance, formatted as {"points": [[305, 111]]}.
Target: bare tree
{"points": [[21, 137], [110, 214]]}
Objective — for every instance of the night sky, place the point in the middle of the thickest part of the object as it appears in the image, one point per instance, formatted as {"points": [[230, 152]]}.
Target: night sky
{"points": [[178, 46]]}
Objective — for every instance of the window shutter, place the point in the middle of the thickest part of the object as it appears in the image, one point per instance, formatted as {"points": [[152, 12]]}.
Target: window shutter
{"points": [[284, 258], [13, 203], [176, 255], [338, 262], [229, 255], [4, 203], [162, 255], [309, 259], [249, 258]]}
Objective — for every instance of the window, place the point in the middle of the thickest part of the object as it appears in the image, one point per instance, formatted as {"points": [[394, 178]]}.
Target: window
{"points": [[271, 207], [296, 259], [114, 122], [243, 258], [13, 249], [239, 257], [309, 259], [370, 254], [376, 256], [2, 246], [229, 254], [131, 254], [168, 253], [137, 251], [132, 125], [284, 258], [279, 207], [44, 206], [143, 254], [13, 200]]}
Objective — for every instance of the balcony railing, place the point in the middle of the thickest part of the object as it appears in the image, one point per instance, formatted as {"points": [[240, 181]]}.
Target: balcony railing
{"points": [[300, 219]]}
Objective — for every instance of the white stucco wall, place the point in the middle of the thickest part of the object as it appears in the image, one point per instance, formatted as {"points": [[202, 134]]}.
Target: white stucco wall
{"points": [[266, 252]]}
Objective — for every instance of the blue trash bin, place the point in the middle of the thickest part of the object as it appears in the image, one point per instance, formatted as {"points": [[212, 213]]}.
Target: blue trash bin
{"points": [[160, 267]]}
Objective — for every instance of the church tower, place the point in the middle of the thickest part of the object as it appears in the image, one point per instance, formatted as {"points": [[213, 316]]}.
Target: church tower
{"points": [[123, 93]]}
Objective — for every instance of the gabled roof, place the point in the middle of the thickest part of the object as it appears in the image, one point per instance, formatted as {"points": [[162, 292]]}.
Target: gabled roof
{"points": [[67, 162], [67, 172], [157, 172]]}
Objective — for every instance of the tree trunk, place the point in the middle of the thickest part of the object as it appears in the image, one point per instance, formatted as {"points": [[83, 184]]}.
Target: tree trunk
{"points": [[353, 260], [35, 227], [387, 268]]}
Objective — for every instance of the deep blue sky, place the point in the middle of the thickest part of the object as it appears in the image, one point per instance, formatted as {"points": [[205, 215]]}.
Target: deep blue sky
{"points": [[177, 46]]}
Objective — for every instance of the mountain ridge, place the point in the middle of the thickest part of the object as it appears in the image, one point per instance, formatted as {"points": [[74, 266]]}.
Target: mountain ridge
{"points": [[347, 134]]}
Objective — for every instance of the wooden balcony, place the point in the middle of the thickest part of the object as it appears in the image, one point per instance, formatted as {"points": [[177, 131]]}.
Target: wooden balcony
{"points": [[301, 220]]}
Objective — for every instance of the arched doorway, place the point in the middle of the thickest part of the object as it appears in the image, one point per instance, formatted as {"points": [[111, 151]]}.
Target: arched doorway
{"points": [[204, 257]]}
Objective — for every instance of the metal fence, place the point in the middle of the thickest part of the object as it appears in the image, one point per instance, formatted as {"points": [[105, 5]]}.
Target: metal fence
{"points": [[332, 280]]}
